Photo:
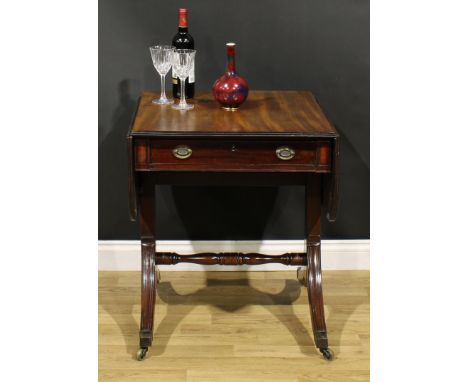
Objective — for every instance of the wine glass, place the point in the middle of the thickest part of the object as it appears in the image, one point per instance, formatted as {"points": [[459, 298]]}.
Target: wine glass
{"points": [[182, 62], [162, 61]]}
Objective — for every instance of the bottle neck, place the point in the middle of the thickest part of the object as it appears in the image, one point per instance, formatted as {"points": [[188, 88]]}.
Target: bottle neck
{"points": [[183, 26], [183, 30], [231, 58]]}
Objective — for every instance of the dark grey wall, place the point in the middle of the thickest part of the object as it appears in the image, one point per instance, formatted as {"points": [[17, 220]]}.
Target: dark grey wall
{"points": [[316, 45]]}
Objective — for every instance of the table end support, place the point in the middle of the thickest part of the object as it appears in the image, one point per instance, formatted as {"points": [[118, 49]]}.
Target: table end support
{"points": [[314, 267], [148, 266]]}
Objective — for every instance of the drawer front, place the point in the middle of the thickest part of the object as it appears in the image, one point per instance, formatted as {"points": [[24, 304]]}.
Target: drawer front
{"points": [[232, 155]]}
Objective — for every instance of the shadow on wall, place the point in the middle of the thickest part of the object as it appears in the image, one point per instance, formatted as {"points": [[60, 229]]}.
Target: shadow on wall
{"points": [[234, 213], [113, 197]]}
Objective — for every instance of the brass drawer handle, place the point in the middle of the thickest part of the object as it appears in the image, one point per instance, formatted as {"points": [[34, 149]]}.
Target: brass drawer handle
{"points": [[285, 153], [182, 152]]}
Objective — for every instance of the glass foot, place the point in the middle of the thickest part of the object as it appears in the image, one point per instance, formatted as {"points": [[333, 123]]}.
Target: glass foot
{"points": [[162, 101], [186, 106]]}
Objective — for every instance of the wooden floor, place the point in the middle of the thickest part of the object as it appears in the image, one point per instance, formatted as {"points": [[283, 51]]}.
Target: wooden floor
{"points": [[233, 326]]}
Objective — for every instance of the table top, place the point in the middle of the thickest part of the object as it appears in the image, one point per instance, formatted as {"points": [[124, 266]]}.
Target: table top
{"points": [[264, 114]]}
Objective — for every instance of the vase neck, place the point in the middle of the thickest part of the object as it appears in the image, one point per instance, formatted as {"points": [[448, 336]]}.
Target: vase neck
{"points": [[231, 57]]}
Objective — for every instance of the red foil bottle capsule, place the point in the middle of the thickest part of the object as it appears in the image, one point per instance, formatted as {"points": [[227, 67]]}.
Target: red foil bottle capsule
{"points": [[230, 90]]}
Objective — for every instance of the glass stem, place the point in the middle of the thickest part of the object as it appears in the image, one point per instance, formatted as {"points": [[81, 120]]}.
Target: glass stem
{"points": [[182, 92], [163, 87]]}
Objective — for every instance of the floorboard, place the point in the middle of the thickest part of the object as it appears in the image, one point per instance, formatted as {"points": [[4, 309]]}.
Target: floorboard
{"points": [[234, 326]]}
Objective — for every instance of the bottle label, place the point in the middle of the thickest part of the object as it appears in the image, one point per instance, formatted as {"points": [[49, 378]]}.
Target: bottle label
{"points": [[191, 78]]}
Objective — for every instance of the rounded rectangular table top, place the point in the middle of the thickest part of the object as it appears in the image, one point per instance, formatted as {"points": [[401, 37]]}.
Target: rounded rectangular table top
{"points": [[265, 113]]}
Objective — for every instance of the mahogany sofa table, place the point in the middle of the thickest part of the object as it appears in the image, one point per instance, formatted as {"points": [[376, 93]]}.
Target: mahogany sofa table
{"points": [[275, 138]]}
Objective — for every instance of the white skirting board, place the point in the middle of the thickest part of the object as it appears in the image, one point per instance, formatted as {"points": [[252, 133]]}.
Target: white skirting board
{"points": [[336, 254]]}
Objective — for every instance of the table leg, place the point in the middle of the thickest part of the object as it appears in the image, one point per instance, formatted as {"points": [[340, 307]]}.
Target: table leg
{"points": [[148, 265], [314, 270]]}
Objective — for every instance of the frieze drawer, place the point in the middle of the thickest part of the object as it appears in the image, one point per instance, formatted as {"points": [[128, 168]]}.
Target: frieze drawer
{"points": [[232, 155]]}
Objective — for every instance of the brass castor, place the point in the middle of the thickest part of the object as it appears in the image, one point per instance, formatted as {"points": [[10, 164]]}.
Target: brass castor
{"points": [[327, 354], [158, 276], [141, 354], [302, 275]]}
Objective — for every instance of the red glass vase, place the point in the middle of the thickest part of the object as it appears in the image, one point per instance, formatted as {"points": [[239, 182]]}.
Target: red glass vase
{"points": [[230, 90]]}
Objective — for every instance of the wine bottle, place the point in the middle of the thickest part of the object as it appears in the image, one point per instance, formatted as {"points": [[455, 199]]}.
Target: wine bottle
{"points": [[183, 40]]}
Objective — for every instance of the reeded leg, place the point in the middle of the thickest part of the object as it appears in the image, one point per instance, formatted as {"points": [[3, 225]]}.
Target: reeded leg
{"points": [[148, 267], [314, 269], [314, 290]]}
